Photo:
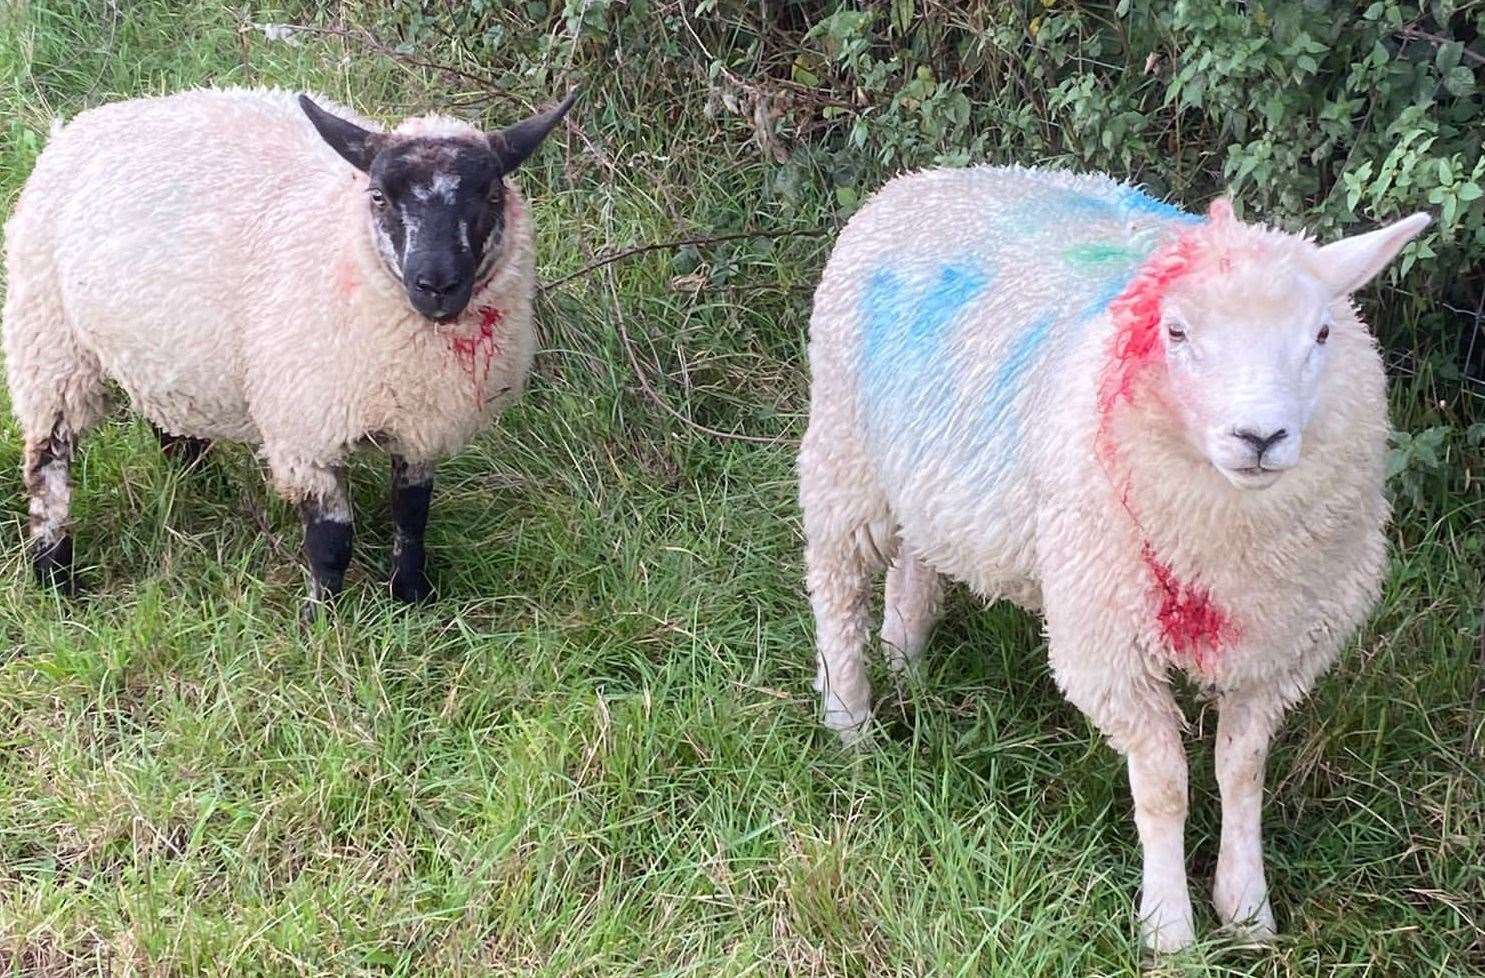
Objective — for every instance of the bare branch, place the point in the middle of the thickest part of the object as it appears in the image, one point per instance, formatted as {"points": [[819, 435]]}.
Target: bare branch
{"points": [[681, 243]]}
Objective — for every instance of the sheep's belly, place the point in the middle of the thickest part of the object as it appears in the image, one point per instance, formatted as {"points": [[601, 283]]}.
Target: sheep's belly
{"points": [[212, 413], [181, 394]]}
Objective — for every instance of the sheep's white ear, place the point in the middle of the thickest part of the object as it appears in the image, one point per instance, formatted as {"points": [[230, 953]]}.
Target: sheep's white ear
{"points": [[1350, 263], [1219, 211], [513, 144], [358, 146]]}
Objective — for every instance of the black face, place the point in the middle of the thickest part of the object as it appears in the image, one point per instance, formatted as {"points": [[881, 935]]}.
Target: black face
{"points": [[438, 210], [437, 204]]}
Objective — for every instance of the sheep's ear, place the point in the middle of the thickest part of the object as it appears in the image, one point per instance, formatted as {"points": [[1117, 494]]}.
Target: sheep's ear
{"points": [[513, 144], [1219, 211], [1350, 263], [358, 146]]}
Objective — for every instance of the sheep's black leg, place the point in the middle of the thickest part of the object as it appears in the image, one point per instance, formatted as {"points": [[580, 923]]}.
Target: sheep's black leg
{"points": [[48, 480], [412, 489], [327, 542], [181, 448]]}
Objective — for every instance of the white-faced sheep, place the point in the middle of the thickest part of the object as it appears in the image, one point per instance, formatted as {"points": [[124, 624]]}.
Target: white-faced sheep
{"points": [[1065, 393], [246, 265]]}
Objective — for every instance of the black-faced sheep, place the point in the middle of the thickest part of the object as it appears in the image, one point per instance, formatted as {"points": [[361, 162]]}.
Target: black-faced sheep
{"points": [[249, 266]]}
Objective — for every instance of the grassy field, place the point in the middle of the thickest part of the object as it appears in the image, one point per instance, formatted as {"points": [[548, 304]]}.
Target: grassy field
{"points": [[596, 754]]}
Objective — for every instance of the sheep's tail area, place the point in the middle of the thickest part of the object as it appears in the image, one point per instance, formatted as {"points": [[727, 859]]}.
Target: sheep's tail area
{"points": [[1189, 618]]}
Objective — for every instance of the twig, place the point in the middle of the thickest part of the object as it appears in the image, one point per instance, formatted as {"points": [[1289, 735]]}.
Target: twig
{"points": [[654, 395], [1437, 40], [370, 40], [681, 243]]}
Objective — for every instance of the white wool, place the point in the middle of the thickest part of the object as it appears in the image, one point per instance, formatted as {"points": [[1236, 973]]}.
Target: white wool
{"points": [[958, 438], [213, 256]]}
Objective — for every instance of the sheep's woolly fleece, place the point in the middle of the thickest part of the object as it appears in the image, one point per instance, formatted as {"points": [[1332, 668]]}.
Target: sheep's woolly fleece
{"points": [[986, 396], [222, 272]]}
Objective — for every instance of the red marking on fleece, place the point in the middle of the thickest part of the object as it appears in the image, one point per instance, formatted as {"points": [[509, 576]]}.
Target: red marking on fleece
{"points": [[346, 280], [476, 352], [1189, 619]]}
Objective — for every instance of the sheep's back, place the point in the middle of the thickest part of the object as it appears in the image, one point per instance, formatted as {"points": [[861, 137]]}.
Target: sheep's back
{"points": [[174, 223], [959, 309]]}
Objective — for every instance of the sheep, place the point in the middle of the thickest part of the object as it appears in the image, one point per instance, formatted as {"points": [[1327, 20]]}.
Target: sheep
{"points": [[251, 266], [1164, 432]]}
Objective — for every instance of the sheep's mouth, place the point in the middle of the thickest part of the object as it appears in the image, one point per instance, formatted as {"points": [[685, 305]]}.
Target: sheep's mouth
{"points": [[1251, 476]]}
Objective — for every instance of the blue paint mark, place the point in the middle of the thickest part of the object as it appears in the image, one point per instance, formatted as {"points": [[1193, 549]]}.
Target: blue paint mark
{"points": [[906, 325], [909, 366], [1136, 201], [906, 355], [1104, 296], [1007, 383]]}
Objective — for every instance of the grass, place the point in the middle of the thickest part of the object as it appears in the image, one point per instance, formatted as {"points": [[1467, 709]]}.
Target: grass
{"points": [[596, 754]]}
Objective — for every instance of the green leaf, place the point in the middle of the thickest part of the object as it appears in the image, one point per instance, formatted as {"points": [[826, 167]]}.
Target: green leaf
{"points": [[1448, 57], [1459, 81]]}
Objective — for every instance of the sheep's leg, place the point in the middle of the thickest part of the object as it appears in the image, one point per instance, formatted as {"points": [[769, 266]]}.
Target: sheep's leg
{"points": [[1245, 725], [180, 448], [911, 608], [847, 528], [1105, 679], [412, 489], [839, 582], [327, 537], [56, 393], [1157, 781], [48, 478]]}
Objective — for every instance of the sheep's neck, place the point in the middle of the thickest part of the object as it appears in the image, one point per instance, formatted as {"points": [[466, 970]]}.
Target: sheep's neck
{"points": [[476, 351], [1189, 619]]}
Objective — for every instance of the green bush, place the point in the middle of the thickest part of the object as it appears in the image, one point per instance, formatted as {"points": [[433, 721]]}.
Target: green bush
{"points": [[1318, 114], [1322, 115]]}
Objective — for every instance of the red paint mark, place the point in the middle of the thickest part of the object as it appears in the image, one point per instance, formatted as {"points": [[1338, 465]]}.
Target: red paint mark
{"points": [[1136, 346], [1189, 618], [346, 280], [476, 352]]}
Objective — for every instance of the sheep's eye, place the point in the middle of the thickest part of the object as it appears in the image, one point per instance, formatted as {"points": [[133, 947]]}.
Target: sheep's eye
{"points": [[378, 198], [494, 195], [1176, 333], [1323, 335]]}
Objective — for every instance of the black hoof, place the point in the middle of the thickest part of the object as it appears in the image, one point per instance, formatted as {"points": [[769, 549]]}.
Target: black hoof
{"points": [[412, 588], [53, 564], [312, 610]]}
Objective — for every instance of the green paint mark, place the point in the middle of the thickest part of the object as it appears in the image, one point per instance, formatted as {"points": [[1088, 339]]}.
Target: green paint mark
{"points": [[1100, 254]]}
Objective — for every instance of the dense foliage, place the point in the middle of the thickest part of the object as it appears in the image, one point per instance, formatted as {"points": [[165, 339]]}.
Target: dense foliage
{"points": [[1324, 115]]}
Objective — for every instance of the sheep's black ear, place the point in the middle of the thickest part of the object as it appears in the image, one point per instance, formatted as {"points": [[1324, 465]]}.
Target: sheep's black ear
{"points": [[358, 146], [513, 144]]}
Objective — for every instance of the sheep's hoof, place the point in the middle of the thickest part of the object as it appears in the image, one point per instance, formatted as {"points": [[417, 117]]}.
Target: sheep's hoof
{"points": [[312, 610], [857, 736], [412, 588], [1169, 926], [53, 564], [1254, 931]]}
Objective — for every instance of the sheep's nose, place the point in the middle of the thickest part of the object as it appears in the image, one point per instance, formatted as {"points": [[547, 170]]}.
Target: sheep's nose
{"points": [[1261, 442], [436, 285]]}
